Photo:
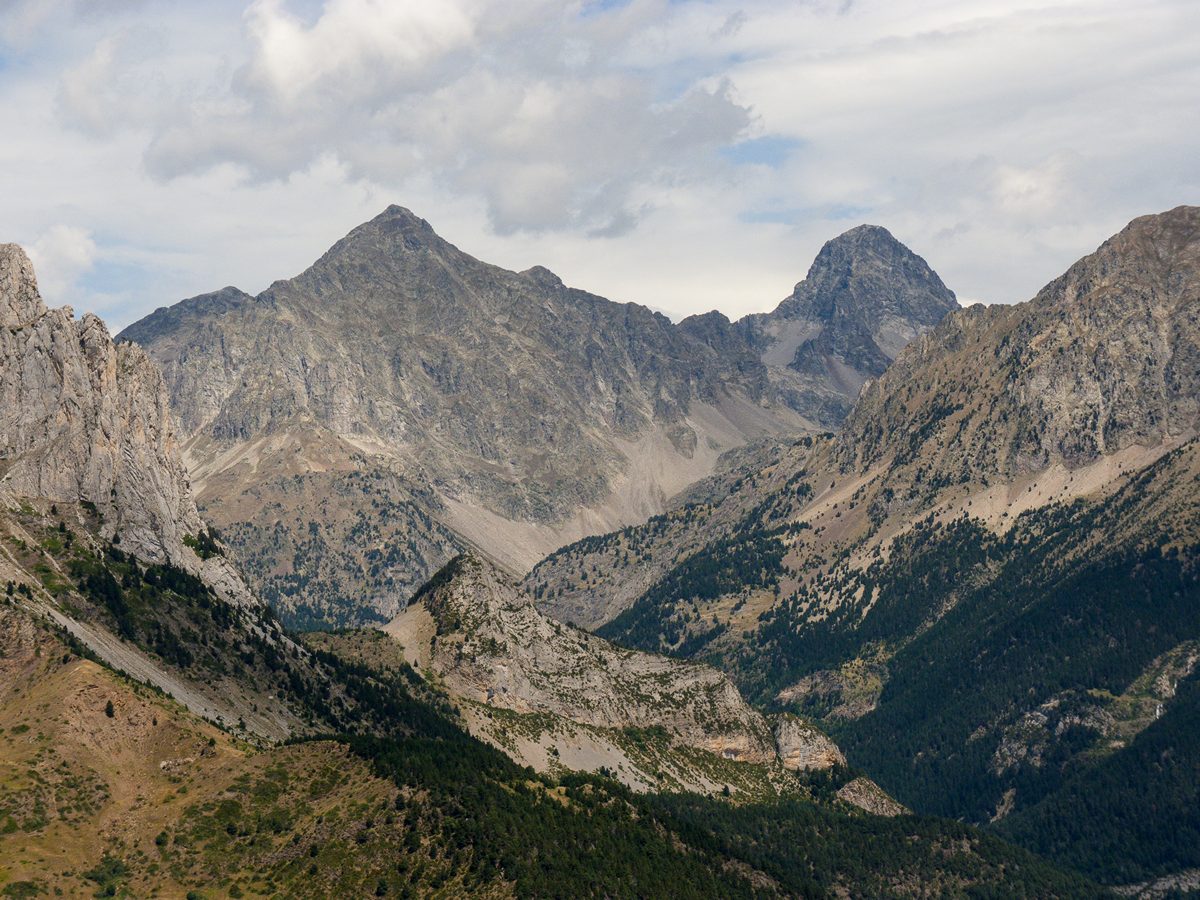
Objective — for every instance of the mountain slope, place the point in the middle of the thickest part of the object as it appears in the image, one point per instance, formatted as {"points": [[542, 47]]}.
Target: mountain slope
{"points": [[495, 409], [482, 638], [865, 297], [987, 579], [112, 790], [100, 535]]}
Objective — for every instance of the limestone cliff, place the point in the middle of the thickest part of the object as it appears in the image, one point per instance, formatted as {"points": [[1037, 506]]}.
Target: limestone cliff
{"points": [[85, 420]]}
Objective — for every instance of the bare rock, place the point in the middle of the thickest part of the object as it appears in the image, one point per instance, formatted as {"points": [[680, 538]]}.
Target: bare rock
{"points": [[85, 420], [866, 296], [480, 634], [866, 794], [521, 414], [802, 746]]}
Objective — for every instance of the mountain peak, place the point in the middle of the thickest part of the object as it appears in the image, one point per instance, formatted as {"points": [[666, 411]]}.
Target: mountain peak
{"points": [[20, 302], [866, 274], [396, 231], [865, 297]]}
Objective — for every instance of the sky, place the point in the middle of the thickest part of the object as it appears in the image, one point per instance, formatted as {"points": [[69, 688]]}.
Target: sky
{"points": [[687, 155]]}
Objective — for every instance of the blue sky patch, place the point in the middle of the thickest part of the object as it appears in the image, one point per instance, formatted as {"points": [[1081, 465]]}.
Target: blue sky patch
{"points": [[770, 150]]}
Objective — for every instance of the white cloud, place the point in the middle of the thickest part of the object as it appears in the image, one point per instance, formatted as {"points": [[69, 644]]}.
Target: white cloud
{"points": [[60, 255], [111, 88], [531, 106], [365, 46]]}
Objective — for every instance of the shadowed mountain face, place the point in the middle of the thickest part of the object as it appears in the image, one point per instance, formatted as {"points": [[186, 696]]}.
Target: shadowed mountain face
{"points": [[865, 297], [473, 406]]}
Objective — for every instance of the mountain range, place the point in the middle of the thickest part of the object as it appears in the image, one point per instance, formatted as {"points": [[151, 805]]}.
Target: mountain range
{"points": [[984, 585], [145, 693], [874, 553], [351, 429]]}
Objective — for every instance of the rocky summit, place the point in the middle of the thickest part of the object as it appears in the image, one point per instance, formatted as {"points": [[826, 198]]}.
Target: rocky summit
{"points": [[866, 296], [1105, 359]]}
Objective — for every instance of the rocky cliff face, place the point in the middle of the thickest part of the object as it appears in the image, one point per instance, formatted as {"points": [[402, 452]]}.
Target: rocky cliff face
{"points": [[99, 528], [522, 412], [483, 637], [865, 297], [84, 419], [489, 409]]}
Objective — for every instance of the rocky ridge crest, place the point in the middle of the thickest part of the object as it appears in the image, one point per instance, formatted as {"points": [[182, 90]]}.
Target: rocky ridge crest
{"points": [[483, 637]]}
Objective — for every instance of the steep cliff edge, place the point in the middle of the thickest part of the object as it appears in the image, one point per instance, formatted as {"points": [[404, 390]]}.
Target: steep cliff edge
{"points": [[82, 419]]}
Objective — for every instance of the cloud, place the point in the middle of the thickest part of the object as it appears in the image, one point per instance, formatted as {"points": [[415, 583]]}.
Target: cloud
{"points": [[357, 48], [60, 256], [688, 154], [24, 20], [111, 89], [534, 106]]}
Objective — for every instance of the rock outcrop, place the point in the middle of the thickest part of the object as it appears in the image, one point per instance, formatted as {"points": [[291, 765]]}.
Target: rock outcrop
{"points": [[488, 643], [85, 420], [484, 638], [866, 794], [802, 746]]}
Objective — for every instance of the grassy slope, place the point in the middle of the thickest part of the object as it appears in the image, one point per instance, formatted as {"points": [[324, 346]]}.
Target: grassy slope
{"points": [[153, 802]]}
